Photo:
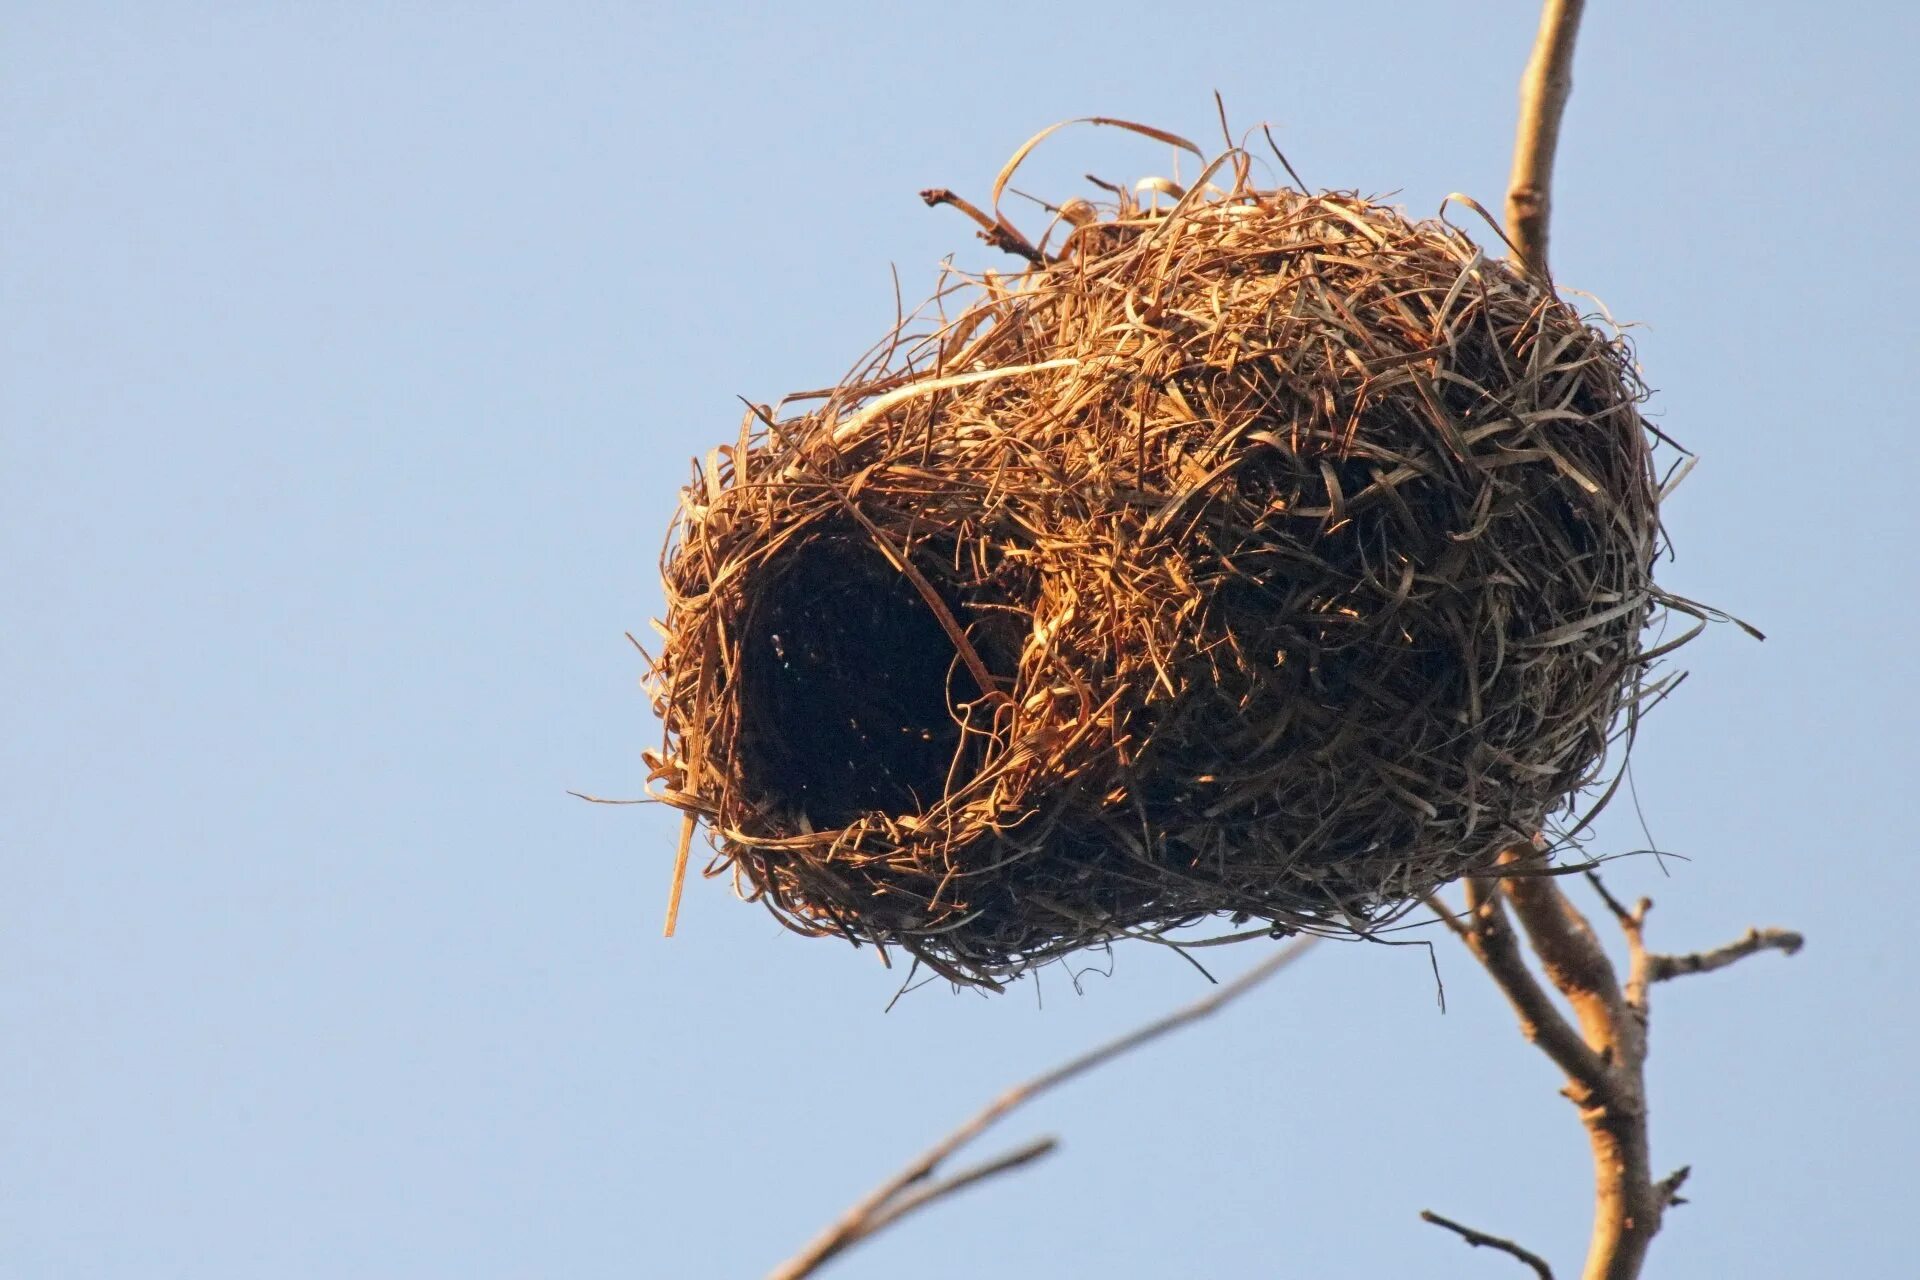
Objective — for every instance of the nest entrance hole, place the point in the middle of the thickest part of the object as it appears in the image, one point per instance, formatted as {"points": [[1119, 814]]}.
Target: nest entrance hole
{"points": [[850, 686]]}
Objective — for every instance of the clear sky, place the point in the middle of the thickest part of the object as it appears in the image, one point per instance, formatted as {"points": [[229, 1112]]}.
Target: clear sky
{"points": [[350, 357]]}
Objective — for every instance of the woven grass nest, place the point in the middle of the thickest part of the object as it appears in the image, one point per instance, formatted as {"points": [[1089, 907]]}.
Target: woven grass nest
{"points": [[1252, 554]]}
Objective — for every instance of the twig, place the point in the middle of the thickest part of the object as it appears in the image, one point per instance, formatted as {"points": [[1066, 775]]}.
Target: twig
{"points": [[1651, 967], [895, 1197], [1544, 89], [1480, 1239], [1660, 968], [1669, 1186], [1444, 914], [997, 232], [902, 1206], [1632, 924]]}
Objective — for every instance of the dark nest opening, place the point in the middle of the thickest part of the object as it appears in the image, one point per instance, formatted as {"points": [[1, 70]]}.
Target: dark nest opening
{"points": [[851, 694], [1268, 556]]}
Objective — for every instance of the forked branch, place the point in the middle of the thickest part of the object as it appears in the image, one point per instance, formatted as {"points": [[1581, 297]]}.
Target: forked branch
{"points": [[912, 1189], [1605, 1059]]}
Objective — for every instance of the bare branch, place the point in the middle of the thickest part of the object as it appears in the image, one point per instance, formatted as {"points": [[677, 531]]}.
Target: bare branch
{"points": [[1442, 912], [897, 1195], [997, 232], [1605, 1061], [1491, 938], [1632, 923], [1570, 953], [926, 1195], [1480, 1240], [1613, 1107], [1661, 967], [1544, 89], [1630, 920]]}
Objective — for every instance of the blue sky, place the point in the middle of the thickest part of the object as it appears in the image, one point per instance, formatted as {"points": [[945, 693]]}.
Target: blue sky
{"points": [[350, 358]]}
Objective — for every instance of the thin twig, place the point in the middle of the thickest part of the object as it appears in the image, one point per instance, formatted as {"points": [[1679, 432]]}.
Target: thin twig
{"points": [[1444, 914], [1632, 922], [906, 1204], [1480, 1239], [1660, 967], [997, 232], [886, 1203], [1544, 89]]}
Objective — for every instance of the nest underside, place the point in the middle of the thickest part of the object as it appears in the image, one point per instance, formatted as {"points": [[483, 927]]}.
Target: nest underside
{"points": [[1272, 557]]}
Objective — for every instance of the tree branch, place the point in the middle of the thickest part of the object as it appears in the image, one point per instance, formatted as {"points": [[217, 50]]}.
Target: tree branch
{"points": [[1660, 968], [1605, 1061], [1650, 967], [926, 1195], [1490, 937], [1544, 89], [1632, 924], [1480, 1239], [1627, 1207], [903, 1192], [1569, 951]]}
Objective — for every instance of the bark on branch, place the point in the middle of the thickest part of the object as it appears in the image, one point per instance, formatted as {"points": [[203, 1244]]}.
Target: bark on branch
{"points": [[1481, 1240], [1491, 938], [1605, 1059], [1660, 968], [1627, 1207], [1544, 89]]}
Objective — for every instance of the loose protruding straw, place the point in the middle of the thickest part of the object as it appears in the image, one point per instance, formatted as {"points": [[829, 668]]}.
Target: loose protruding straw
{"points": [[679, 875]]}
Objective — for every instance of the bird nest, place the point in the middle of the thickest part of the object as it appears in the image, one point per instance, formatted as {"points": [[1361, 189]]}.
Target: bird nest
{"points": [[1260, 555]]}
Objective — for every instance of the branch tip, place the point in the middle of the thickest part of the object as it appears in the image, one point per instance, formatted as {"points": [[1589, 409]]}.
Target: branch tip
{"points": [[1481, 1240], [1661, 968]]}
